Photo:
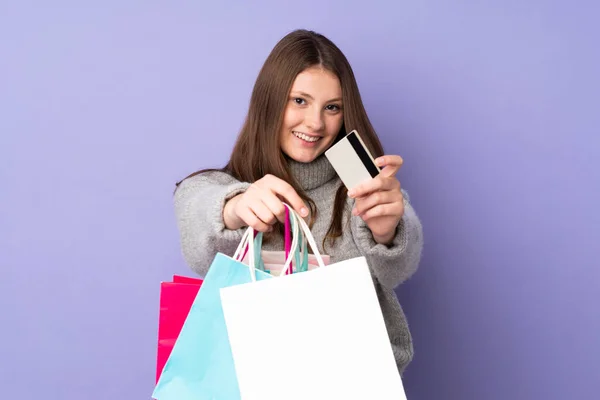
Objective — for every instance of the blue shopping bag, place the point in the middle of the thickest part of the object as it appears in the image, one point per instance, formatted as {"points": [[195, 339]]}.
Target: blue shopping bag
{"points": [[200, 366]]}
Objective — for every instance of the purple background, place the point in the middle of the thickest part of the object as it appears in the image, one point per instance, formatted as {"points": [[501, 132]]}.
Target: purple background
{"points": [[493, 105]]}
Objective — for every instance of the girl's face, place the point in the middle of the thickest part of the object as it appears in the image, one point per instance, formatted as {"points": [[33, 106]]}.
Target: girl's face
{"points": [[313, 115]]}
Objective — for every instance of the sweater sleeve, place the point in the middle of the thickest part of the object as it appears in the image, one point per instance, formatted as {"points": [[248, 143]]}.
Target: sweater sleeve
{"points": [[394, 263], [199, 203]]}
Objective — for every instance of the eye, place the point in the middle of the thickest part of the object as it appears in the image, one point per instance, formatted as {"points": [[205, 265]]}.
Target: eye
{"points": [[333, 107], [299, 100]]}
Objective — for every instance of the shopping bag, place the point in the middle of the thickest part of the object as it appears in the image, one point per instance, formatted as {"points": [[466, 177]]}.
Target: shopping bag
{"points": [[273, 261], [176, 298], [200, 366], [186, 279], [340, 347]]}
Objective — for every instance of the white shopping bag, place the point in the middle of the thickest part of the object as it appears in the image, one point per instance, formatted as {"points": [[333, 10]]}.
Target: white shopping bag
{"points": [[318, 334]]}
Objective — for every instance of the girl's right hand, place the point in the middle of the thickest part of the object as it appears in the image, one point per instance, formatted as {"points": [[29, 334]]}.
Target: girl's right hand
{"points": [[261, 205]]}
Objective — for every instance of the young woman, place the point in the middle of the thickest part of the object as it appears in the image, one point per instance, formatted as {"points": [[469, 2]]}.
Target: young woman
{"points": [[305, 97]]}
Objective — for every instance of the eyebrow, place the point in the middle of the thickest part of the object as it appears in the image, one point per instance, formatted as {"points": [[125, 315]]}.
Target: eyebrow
{"points": [[312, 98]]}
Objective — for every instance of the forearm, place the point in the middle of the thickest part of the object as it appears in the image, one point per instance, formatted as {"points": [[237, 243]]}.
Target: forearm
{"points": [[230, 218], [392, 260], [199, 207]]}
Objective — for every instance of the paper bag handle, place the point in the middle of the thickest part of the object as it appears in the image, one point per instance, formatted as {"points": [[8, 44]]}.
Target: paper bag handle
{"points": [[299, 222], [308, 236], [244, 242], [248, 239], [287, 238]]}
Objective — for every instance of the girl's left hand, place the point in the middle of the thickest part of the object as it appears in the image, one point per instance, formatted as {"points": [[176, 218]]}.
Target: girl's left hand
{"points": [[379, 201]]}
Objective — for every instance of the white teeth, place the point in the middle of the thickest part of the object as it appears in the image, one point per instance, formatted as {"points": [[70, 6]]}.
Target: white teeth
{"points": [[305, 137]]}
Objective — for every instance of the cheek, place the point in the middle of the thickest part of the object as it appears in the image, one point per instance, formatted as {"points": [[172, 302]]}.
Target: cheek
{"points": [[334, 124], [292, 117]]}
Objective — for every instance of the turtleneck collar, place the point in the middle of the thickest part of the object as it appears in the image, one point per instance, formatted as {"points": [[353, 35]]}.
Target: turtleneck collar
{"points": [[314, 174]]}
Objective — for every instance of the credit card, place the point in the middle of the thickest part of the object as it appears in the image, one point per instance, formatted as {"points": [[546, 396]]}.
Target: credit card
{"points": [[352, 160]]}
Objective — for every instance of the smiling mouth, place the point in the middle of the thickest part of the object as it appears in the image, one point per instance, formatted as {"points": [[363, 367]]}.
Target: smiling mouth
{"points": [[306, 138]]}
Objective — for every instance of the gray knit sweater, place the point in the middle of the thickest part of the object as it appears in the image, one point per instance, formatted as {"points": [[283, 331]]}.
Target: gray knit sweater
{"points": [[199, 203]]}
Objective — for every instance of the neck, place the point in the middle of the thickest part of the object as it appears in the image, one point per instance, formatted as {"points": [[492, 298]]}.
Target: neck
{"points": [[313, 174]]}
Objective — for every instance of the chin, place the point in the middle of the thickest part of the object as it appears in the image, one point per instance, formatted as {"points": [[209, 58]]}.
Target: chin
{"points": [[302, 157]]}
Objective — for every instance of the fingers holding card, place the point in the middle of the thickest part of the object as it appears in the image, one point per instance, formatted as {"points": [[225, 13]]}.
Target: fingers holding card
{"points": [[391, 164]]}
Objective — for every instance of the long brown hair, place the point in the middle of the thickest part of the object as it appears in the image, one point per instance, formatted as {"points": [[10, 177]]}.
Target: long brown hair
{"points": [[257, 151]]}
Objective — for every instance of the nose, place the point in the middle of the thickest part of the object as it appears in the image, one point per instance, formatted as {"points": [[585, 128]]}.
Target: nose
{"points": [[314, 120]]}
